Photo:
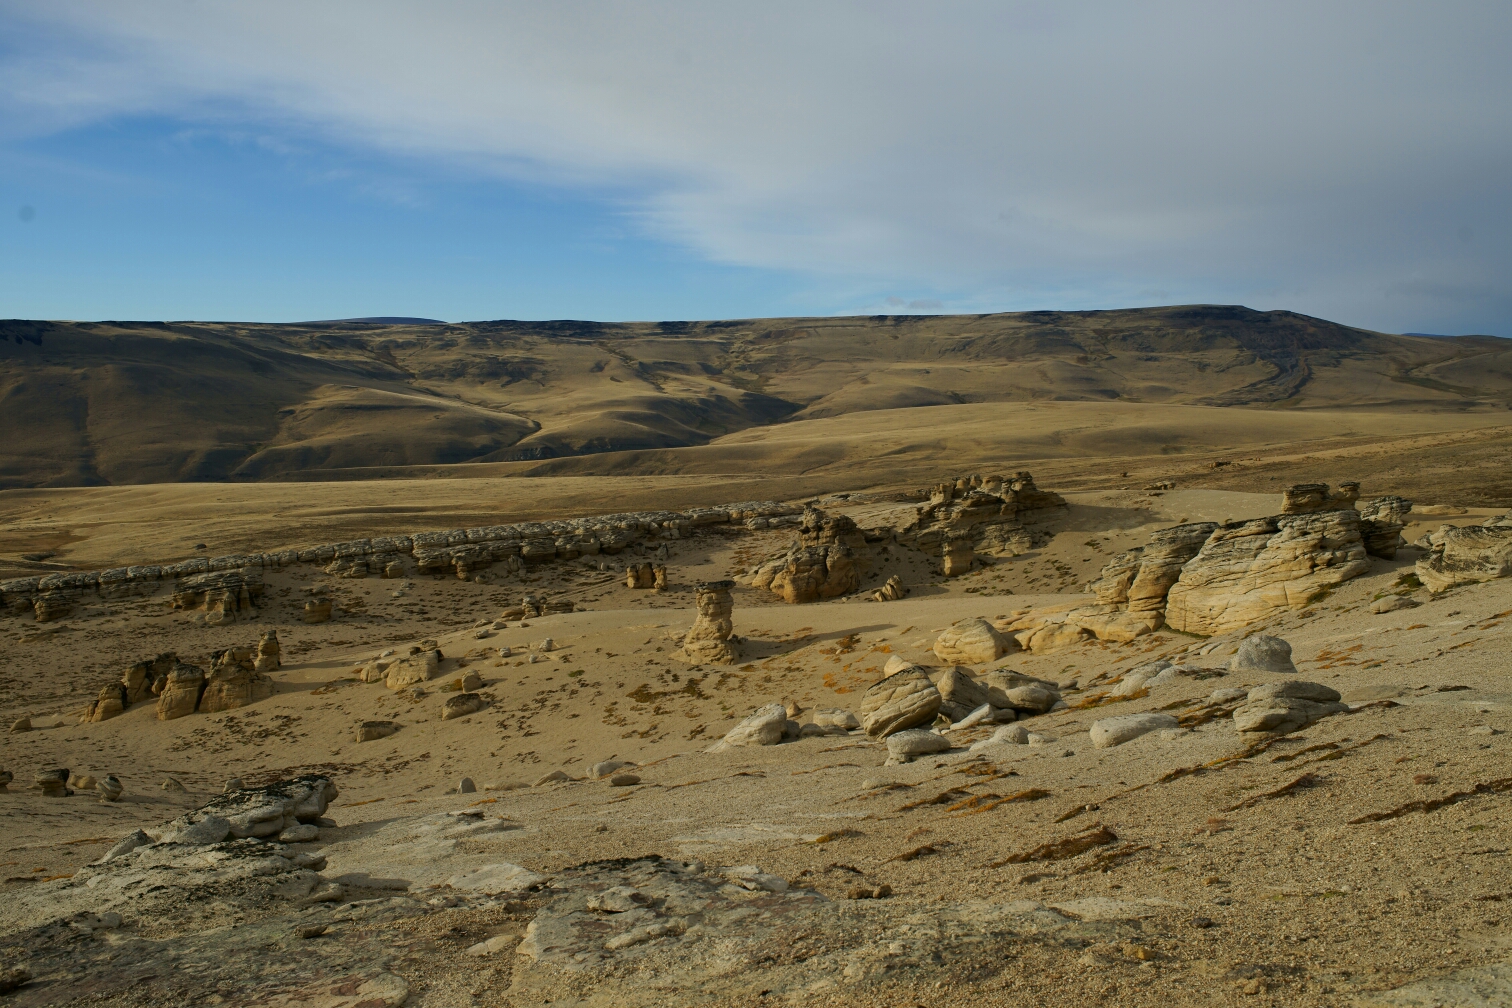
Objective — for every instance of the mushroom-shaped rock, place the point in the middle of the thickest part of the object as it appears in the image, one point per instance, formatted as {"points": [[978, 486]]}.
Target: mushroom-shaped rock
{"points": [[763, 728], [1265, 654], [903, 700], [971, 641], [1118, 730]]}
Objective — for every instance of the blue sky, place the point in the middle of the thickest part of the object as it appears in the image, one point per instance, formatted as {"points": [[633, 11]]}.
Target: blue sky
{"points": [[470, 160]]}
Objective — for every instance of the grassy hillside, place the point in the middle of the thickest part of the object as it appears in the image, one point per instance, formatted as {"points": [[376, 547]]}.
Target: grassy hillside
{"points": [[90, 403]]}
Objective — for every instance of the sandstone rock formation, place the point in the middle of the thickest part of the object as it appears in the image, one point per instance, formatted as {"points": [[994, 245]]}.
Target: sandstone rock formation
{"points": [[109, 788], [890, 591], [1280, 708], [317, 610], [1132, 588], [1309, 498], [957, 556], [1247, 571], [370, 731], [1108, 732], [646, 575], [905, 699], [420, 665], [110, 702], [269, 654], [709, 639], [1381, 522], [180, 691], [904, 746], [52, 783], [823, 563], [461, 705], [971, 641], [1467, 555], [987, 511], [255, 812], [1265, 655], [234, 681], [763, 728]]}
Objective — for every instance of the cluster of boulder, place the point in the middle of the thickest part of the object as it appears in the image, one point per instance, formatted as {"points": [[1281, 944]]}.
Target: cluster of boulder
{"points": [[964, 516], [238, 676], [228, 588], [911, 699]]}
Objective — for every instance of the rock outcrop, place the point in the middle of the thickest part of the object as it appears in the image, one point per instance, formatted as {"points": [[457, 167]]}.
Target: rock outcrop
{"points": [[891, 591], [421, 664], [234, 681], [1381, 522], [269, 653], [645, 575], [988, 512], [254, 812], [1248, 571], [1467, 555], [1132, 588], [1310, 498], [824, 562], [180, 691], [708, 642], [957, 556]]}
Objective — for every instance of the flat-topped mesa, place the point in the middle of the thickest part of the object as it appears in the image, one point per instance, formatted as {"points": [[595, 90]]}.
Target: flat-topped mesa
{"points": [[708, 642], [1306, 498], [228, 588]]}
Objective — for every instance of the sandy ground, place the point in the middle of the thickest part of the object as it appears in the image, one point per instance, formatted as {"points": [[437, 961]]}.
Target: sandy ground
{"points": [[1267, 900]]}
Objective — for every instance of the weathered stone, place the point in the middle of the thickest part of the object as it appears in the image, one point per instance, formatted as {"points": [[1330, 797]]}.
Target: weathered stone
{"points": [[1381, 522], [903, 746], [52, 783], [552, 778], [834, 717], [460, 705], [110, 702], [472, 682], [960, 694], [708, 642], [903, 700], [971, 641], [181, 692], [822, 564], [763, 728], [1264, 654], [624, 780], [1466, 555], [1283, 707], [420, 665], [892, 590], [269, 652], [1013, 734], [234, 681], [264, 811], [1304, 498], [1031, 698], [957, 556], [1392, 603], [300, 833], [5, 778], [1248, 571], [109, 788], [317, 611], [1114, 731], [369, 731]]}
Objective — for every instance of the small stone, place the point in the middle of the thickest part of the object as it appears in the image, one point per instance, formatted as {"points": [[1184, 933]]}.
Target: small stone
{"points": [[1263, 653], [868, 892], [311, 930], [623, 780], [903, 746], [1484, 730], [492, 945], [172, 785], [126, 845], [1392, 603], [1202, 922], [303, 833], [20, 725], [109, 788], [552, 778], [472, 682], [234, 784], [1113, 731], [5, 778], [370, 731], [467, 786]]}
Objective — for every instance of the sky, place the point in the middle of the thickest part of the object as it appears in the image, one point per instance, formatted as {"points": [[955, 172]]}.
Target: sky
{"points": [[279, 161]]}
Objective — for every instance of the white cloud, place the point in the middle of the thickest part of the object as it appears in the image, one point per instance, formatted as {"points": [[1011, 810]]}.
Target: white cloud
{"points": [[1053, 154]]}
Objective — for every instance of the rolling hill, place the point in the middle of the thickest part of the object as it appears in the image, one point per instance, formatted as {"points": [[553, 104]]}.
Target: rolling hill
{"points": [[95, 403]]}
